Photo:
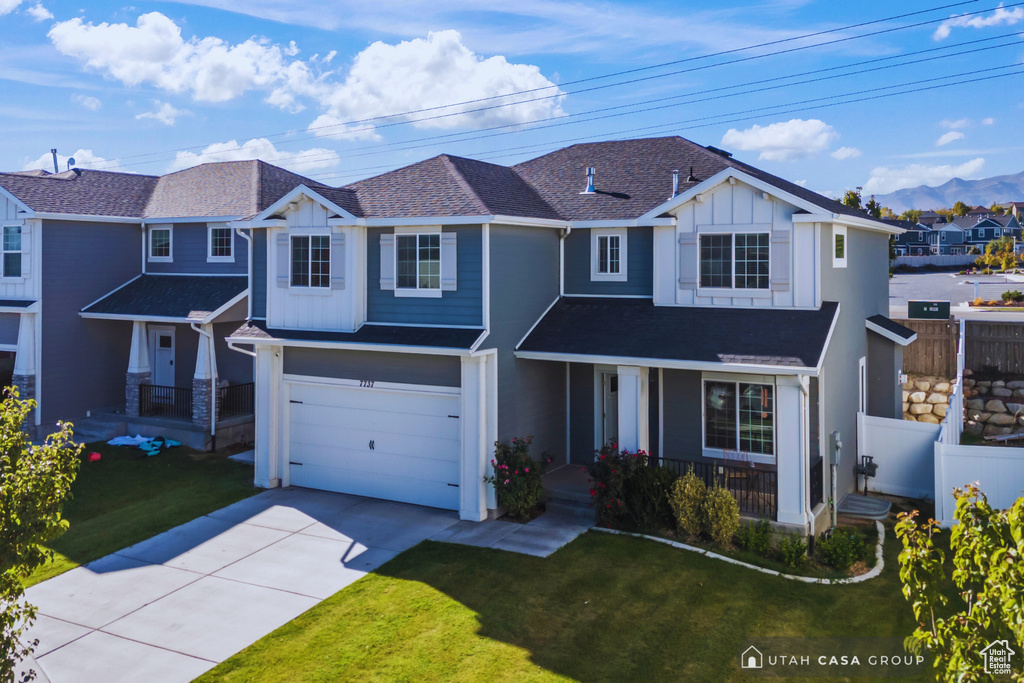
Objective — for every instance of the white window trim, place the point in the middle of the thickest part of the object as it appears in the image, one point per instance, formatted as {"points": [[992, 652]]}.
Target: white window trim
{"points": [[595, 234], [210, 258], [736, 292], [170, 245], [719, 453], [320, 290], [4, 275], [417, 292], [837, 262]]}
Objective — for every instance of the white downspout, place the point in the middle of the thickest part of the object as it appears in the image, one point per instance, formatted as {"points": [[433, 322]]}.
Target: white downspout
{"points": [[213, 373], [231, 345], [143, 226], [247, 238]]}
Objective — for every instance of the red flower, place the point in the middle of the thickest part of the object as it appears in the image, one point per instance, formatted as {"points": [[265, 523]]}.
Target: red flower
{"points": [[593, 492]]}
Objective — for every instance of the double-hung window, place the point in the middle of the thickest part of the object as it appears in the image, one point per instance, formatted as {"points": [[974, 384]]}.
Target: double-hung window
{"points": [[739, 417], [12, 251], [220, 244], [311, 261], [608, 255], [160, 244], [418, 262], [735, 261]]}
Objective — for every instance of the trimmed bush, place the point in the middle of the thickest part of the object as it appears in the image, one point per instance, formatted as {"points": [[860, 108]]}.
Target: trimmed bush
{"points": [[1013, 295], [792, 551], [687, 501], [722, 515], [646, 492], [610, 471], [841, 547], [517, 477], [756, 538]]}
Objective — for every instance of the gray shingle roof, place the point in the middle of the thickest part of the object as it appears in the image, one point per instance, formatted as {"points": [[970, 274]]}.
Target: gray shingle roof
{"points": [[747, 336], [439, 337], [170, 296], [93, 193]]}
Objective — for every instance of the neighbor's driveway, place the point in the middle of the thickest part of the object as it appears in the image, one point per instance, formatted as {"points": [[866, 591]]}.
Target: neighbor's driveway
{"points": [[173, 606]]}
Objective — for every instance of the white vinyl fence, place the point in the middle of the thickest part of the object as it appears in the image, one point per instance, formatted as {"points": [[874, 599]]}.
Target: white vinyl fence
{"points": [[904, 452], [999, 472], [936, 260]]}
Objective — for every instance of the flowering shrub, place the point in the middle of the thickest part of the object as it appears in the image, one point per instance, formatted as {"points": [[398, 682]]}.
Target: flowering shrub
{"points": [[517, 477], [609, 472], [687, 501]]}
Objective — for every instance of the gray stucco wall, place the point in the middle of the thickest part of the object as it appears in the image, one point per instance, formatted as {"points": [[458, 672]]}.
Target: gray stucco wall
{"points": [[9, 325], [259, 274], [402, 368], [639, 265], [524, 282], [885, 362], [189, 249], [464, 306], [682, 407], [83, 362], [862, 288]]}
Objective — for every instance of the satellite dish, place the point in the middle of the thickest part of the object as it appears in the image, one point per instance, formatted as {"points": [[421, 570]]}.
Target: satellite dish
{"points": [[71, 162]]}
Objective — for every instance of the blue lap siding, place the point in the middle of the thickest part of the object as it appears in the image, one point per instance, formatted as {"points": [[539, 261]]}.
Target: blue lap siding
{"points": [[189, 249], [639, 265]]}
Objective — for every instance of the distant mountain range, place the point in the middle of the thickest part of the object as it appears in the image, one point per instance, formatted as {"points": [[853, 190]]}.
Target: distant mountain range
{"points": [[987, 191]]}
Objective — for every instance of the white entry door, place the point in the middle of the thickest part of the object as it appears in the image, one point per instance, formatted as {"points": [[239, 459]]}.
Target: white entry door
{"points": [[398, 444], [161, 352]]}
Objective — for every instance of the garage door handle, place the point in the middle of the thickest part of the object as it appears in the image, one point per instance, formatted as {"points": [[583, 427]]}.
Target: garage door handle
{"points": [[455, 485], [294, 401], [455, 416], [295, 463], [371, 444]]}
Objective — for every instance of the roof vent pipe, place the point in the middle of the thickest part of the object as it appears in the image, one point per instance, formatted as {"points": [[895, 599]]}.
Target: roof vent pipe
{"points": [[591, 171], [675, 183], [56, 169], [691, 178]]}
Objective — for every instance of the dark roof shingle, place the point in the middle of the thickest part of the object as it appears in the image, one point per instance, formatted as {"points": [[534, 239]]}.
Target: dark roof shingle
{"points": [[437, 337], [170, 296]]}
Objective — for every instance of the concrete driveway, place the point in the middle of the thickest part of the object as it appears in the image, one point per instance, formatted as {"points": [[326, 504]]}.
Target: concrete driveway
{"points": [[175, 605]]}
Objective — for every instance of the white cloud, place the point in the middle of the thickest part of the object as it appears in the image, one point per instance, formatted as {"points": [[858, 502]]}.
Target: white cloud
{"points": [[429, 73], [998, 18], [165, 113], [84, 158], [88, 101], [39, 13], [951, 136], [884, 180], [783, 141], [844, 153], [8, 6], [988, 121], [801, 183], [302, 161], [955, 124]]}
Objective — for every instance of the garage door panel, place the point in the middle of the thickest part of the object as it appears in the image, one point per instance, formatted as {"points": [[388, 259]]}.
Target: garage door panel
{"points": [[416, 445]]}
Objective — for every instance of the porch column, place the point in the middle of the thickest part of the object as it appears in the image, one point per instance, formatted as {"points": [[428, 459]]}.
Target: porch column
{"points": [[634, 425], [791, 459], [25, 363], [202, 383], [138, 368], [271, 404], [476, 451]]}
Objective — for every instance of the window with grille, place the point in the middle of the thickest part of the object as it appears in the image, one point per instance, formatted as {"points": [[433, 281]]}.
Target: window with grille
{"points": [[311, 261], [418, 261], [160, 243], [12, 251], [221, 243], [739, 261]]}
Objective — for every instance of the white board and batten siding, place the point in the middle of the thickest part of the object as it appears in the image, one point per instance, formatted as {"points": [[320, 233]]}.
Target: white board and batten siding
{"points": [[26, 286], [738, 208], [999, 472], [904, 452], [339, 307], [399, 442]]}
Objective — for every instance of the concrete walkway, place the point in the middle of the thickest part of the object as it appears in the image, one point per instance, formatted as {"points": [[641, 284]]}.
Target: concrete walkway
{"points": [[172, 607]]}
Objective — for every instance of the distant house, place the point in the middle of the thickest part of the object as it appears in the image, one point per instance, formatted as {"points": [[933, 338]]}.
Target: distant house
{"points": [[913, 241], [929, 218], [980, 212], [1015, 209]]}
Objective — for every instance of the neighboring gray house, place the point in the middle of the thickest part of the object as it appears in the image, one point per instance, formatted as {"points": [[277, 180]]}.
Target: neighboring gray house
{"points": [[718, 316], [115, 286]]}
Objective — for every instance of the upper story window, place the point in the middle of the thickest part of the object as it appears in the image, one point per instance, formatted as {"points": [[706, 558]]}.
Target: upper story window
{"points": [[220, 244], [12, 251], [839, 246], [311, 261], [608, 250], [608, 255], [160, 242], [418, 261], [735, 261], [739, 417]]}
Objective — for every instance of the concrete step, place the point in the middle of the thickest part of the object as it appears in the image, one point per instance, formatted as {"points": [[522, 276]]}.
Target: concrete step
{"points": [[90, 429], [571, 508]]}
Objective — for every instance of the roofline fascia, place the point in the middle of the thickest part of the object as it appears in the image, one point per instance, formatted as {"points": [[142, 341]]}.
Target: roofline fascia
{"points": [[353, 346], [119, 287], [536, 322], [4, 192], [461, 220], [87, 218], [891, 336], [192, 219], [31, 308], [745, 368], [137, 318], [303, 189], [231, 302], [714, 181], [828, 338], [865, 224], [629, 223]]}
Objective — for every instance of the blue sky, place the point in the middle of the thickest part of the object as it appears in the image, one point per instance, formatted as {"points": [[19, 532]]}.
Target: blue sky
{"points": [[157, 86]]}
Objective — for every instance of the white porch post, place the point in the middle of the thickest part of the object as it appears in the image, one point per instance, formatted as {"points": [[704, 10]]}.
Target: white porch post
{"points": [[473, 493], [139, 372], [790, 458], [634, 423], [268, 404]]}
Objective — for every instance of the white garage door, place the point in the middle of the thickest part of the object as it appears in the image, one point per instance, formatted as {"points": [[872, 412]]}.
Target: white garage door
{"points": [[382, 443]]}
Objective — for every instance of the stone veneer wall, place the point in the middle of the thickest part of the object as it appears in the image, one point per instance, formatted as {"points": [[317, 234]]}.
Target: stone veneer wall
{"points": [[993, 407], [926, 399]]}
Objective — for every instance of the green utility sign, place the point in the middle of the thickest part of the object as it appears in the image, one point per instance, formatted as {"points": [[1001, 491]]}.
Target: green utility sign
{"points": [[928, 310]]}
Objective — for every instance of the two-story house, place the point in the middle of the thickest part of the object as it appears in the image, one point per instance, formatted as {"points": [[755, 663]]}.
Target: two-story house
{"points": [[654, 293], [118, 290], [913, 241]]}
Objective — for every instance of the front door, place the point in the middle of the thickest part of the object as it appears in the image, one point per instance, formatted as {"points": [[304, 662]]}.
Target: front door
{"points": [[609, 408], [161, 352]]}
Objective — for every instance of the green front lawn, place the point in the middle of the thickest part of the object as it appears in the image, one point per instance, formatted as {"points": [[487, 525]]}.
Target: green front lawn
{"points": [[604, 608], [127, 497]]}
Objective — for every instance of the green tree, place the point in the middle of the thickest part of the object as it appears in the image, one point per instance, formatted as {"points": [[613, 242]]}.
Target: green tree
{"points": [[34, 483], [999, 253], [960, 209], [911, 215], [852, 199], [987, 547], [996, 209], [873, 208]]}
